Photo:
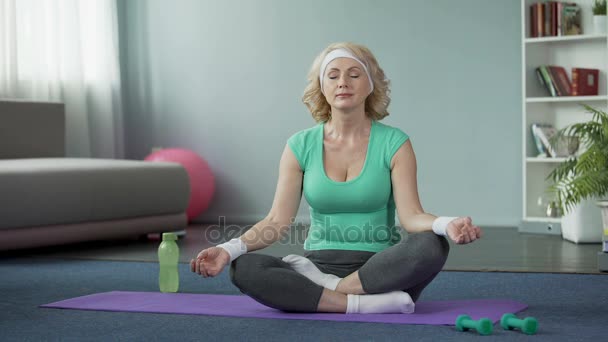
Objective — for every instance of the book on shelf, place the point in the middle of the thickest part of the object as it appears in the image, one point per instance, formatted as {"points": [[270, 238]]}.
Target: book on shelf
{"points": [[542, 134], [537, 20], [554, 18], [571, 20], [558, 14], [540, 148], [548, 19], [585, 81], [560, 74], [545, 80], [554, 79]]}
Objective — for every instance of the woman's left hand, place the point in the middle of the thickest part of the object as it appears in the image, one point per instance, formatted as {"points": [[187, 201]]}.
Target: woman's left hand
{"points": [[462, 230]]}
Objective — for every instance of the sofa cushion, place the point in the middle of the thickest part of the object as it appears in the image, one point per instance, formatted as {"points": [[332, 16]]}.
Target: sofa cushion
{"points": [[46, 191], [31, 129]]}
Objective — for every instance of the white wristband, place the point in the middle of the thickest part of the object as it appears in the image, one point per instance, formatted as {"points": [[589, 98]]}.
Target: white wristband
{"points": [[235, 247], [440, 224]]}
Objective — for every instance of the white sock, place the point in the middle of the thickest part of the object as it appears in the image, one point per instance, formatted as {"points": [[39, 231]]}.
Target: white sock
{"points": [[306, 268], [390, 302]]}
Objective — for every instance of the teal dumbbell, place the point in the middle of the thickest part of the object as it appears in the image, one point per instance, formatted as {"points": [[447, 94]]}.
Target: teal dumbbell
{"points": [[527, 325], [483, 326]]}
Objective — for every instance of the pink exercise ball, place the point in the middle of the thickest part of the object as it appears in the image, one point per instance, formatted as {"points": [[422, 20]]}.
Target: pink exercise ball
{"points": [[202, 182]]}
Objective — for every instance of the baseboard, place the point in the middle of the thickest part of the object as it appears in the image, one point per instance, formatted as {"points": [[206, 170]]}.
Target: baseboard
{"points": [[548, 228]]}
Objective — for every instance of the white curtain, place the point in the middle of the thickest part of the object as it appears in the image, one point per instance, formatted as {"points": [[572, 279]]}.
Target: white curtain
{"points": [[67, 51]]}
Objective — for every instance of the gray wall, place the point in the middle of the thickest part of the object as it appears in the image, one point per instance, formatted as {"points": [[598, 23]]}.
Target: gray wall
{"points": [[225, 78]]}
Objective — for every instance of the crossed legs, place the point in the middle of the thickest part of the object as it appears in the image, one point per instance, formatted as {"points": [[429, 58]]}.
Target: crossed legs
{"points": [[390, 280]]}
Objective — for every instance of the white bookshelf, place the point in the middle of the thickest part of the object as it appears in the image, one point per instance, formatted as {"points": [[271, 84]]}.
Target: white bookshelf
{"points": [[545, 160], [589, 50], [578, 99], [582, 37]]}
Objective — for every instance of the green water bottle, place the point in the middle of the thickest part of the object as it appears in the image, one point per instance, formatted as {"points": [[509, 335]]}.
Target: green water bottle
{"points": [[168, 257]]}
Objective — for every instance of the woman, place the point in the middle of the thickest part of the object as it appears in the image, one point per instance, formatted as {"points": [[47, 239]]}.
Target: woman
{"points": [[355, 172]]}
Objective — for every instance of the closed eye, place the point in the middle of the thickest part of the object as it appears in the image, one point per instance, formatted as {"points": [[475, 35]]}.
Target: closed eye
{"points": [[334, 77]]}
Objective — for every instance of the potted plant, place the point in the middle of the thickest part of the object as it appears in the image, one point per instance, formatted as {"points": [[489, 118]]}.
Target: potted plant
{"points": [[599, 16], [583, 177]]}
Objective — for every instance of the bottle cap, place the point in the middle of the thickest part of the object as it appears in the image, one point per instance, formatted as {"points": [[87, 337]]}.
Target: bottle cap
{"points": [[169, 237]]}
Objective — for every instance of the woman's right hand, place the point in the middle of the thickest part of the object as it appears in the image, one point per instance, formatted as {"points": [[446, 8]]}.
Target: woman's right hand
{"points": [[210, 262]]}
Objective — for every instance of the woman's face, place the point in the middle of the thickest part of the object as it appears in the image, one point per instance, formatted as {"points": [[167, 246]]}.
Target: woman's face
{"points": [[345, 84]]}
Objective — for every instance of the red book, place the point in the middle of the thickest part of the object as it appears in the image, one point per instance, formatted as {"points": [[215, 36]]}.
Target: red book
{"points": [[540, 19], [563, 83], [533, 20], [547, 9], [553, 77], [554, 18], [585, 81]]}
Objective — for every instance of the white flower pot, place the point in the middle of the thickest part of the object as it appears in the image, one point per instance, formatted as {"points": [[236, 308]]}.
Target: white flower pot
{"points": [[583, 224], [600, 25]]}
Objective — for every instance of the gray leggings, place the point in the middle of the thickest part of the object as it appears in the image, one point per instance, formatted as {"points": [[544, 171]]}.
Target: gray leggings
{"points": [[408, 266]]}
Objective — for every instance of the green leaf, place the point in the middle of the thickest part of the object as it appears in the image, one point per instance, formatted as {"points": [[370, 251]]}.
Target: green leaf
{"points": [[585, 176]]}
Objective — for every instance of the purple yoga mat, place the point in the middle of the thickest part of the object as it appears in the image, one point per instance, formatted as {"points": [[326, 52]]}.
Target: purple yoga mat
{"points": [[430, 312]]}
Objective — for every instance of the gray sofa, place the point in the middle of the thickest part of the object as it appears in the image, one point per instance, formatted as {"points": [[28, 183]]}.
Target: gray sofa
{"points": [[47, 199]]}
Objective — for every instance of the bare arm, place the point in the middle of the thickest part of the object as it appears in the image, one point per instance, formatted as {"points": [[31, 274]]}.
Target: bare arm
{"points": [[411, 215], [284, 207], [211, 261], [405, 191]]}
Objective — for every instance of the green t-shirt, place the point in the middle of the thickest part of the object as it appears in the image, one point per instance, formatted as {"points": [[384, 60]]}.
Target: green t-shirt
{"points": [[358, 214]]}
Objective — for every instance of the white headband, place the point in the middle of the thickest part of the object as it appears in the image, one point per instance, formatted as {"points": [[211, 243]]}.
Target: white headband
{"points": [[338, 53]]}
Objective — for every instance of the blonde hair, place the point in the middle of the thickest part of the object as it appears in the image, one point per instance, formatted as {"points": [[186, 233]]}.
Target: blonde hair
{"points": [[376, 103]]}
